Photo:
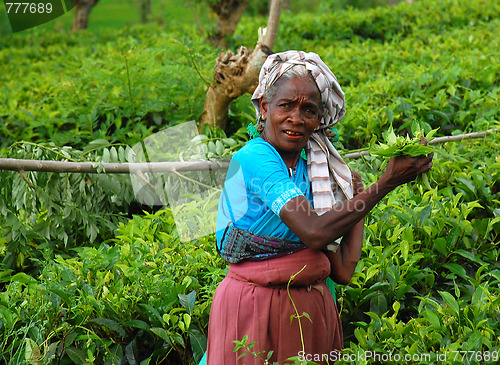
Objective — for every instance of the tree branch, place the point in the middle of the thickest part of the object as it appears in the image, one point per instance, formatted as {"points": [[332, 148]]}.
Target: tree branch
{"points": [[460, 137], [272, 24]]}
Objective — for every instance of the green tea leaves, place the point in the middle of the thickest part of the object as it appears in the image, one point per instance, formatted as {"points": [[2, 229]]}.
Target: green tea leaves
{"points": [[397, 145]]}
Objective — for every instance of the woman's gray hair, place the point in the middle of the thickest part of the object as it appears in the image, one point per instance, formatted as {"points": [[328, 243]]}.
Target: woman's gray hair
{"points": [[296, 71]]}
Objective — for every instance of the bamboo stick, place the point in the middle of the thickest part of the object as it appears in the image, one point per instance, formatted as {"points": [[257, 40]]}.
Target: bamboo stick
{"points": [[13, 164], [460, 137]]}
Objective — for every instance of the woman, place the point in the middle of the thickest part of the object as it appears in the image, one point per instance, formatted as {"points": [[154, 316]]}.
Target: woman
{"points": [[283, 216]]}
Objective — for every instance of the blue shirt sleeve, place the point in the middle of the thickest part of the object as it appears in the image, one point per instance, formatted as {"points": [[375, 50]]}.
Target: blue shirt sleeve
{"points": [[256, 188]]}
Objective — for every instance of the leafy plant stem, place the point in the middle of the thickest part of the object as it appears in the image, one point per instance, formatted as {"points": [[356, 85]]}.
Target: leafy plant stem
{"points": [[89, 151], [129, 82], [23, 175], [295, 308], [48, 149], [195, 65], [191, 180]]}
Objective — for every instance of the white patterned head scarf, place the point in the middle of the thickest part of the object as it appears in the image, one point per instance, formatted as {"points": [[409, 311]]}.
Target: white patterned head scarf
{"points": [[332, 96], [326, 168]]}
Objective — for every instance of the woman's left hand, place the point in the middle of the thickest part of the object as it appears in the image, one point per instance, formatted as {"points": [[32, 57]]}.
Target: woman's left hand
{"points": [[343, 262], [357, 183]]}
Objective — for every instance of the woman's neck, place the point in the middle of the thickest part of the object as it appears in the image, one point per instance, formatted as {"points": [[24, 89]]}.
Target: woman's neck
{"points": [[290, 161], [289, 158]]}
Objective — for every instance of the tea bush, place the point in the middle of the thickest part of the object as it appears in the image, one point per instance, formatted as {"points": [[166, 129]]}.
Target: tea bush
{"points": [[452, 94], [56, 212], [118, 85], [140, 297], [428, 279], [443, 72], [124, 85], [382, 24]]}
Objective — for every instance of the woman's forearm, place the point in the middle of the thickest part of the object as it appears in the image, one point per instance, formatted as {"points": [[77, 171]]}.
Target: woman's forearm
{"points": [[343, 262], [343, 219], [318, 231]]}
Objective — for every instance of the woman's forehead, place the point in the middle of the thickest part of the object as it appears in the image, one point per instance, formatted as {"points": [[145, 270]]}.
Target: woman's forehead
{"points": [[292, 88]]}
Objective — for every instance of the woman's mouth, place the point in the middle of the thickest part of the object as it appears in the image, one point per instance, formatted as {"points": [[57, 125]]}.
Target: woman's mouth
{"points": [[292, 133]]}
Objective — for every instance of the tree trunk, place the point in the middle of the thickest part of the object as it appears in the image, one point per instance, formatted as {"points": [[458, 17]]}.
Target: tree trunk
{"points": [[229, 13], [237, 74], [82, 11], [286, 4], [145, 10]]}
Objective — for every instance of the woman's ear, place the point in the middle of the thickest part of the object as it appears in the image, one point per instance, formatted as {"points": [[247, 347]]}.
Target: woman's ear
{"points": [[263, 108]]}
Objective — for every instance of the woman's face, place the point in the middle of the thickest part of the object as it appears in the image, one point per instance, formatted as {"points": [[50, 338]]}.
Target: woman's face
{"points": [[292, 115]]}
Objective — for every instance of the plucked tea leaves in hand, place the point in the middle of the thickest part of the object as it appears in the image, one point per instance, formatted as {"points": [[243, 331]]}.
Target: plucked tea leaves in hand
{"points": [[397, 145], [403, 146]]}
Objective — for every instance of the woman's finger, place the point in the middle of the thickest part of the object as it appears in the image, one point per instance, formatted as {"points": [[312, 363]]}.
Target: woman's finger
{"points": [[357, 183]]}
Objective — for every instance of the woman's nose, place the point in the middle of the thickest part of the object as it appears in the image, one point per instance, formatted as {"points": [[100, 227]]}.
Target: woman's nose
{"points": [[295, 116]]}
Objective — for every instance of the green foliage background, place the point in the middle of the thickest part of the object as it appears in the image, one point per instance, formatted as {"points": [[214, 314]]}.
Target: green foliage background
{"points": [[90, 276]]}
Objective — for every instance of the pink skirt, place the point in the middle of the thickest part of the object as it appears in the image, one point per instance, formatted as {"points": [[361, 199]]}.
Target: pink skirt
{"points": [[253, 300]]}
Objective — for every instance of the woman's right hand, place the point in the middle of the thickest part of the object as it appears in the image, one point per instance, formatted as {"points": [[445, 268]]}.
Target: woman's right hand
{"points": [[403, 169]]}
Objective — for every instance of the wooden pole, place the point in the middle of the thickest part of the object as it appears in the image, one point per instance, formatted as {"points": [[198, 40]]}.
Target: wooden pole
{"points": [[13, 164]]}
